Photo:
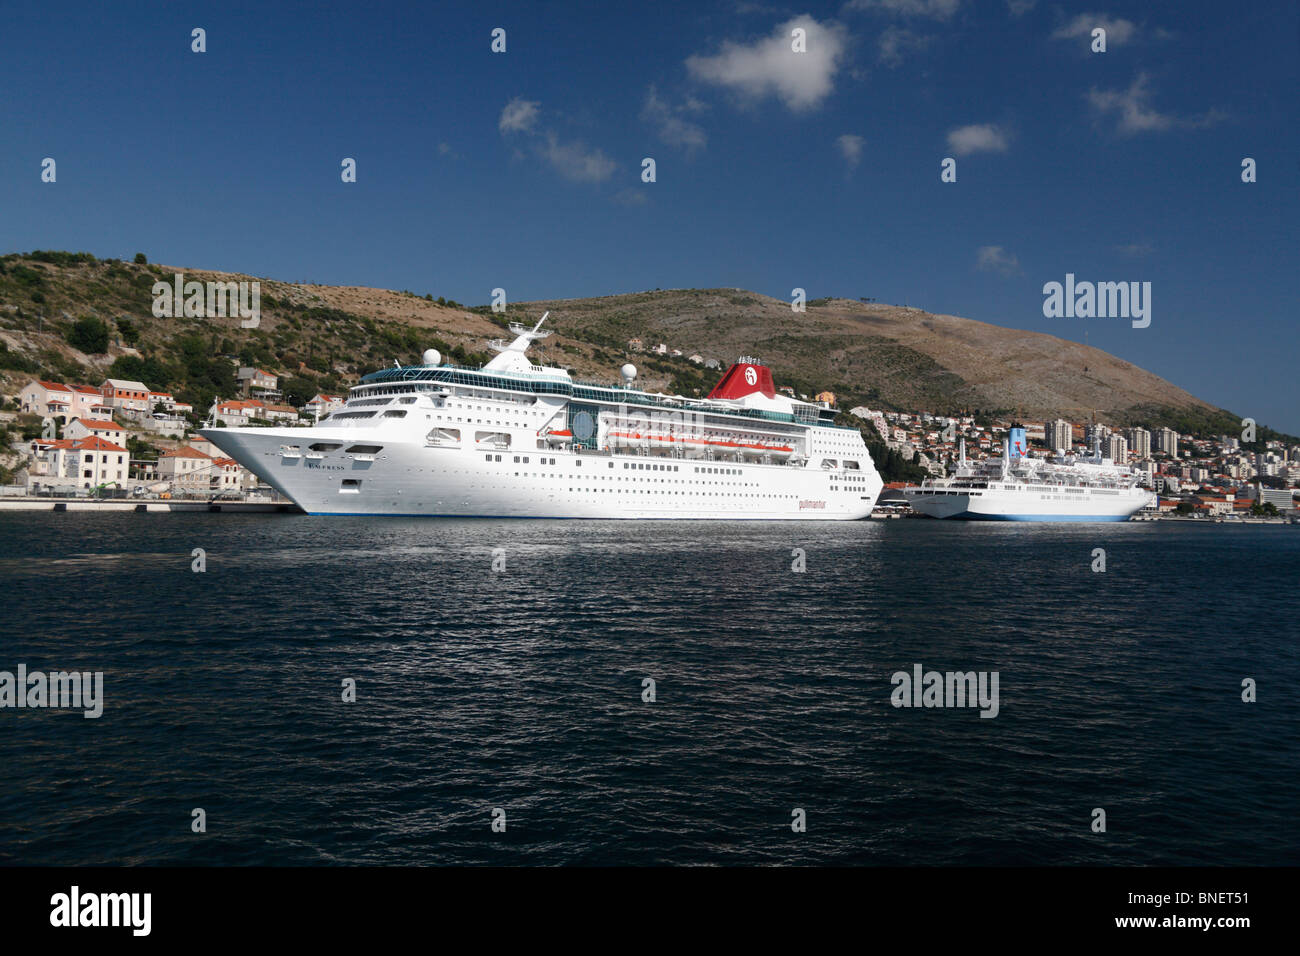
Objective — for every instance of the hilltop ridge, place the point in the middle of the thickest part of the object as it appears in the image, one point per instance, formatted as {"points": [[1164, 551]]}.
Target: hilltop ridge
{"points": [[322, 338]]}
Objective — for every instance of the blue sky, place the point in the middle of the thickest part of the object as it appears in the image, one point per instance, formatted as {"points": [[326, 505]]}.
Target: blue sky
{"points": [[774, 170]]}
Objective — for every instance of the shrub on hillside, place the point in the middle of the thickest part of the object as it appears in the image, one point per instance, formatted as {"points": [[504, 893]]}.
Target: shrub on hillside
{"points": [[55, 258], [90, 335]]}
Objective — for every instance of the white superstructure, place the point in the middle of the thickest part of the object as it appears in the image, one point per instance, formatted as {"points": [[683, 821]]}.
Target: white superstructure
{"points": [[1016, 487], [513, 439]]}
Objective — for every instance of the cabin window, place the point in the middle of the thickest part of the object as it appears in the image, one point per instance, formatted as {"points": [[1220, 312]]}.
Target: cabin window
{"points": [[365, 449]]}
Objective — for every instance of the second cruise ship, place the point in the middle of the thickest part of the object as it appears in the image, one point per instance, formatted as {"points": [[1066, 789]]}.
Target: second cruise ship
{"points": [[1016, 487], [514, 439]]}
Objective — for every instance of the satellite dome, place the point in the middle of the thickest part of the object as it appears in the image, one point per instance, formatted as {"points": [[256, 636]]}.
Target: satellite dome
{"points": [[432, 357], [629, 372]]}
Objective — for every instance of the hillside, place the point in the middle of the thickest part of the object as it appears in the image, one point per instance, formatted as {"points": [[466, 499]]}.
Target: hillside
{"points": [[888, 355], [322, 338]]}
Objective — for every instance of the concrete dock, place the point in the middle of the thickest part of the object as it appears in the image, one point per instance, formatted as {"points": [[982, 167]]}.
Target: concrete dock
{"points": [[150, 506]]}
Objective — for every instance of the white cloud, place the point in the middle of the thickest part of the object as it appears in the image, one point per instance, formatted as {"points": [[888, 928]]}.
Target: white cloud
{"points": [[1018, 8], [770, 67], [997, 259], [674, 129], [935, 9], [850, 147], [893, 41], [519, 116], [1136, 250], [1117, 29], [1135, 113], [980, 138], [574, 161]]}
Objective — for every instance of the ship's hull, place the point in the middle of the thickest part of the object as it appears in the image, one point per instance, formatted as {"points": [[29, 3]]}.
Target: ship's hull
{"points": [[412, 478], [1080, 505]]}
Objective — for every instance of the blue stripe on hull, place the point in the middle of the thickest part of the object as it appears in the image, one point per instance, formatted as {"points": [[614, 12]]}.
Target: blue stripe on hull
{"points": [[973, 516]]}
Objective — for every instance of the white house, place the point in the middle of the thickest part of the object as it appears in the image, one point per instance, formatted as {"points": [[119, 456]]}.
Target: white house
{"points": [[187, 469], [199, 443], [236, 412], [90, 427], [53, 399], [227, 476], [322, 404], [168, 402], [279, 413], [86, 462]]}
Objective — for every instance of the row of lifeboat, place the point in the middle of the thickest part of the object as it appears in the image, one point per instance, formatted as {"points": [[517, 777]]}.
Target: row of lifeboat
{"points": [[628, 439]]}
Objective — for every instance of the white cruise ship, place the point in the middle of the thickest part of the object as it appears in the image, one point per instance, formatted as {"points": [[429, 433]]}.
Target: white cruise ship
{"points": [[514, 439], [1017, 487]]}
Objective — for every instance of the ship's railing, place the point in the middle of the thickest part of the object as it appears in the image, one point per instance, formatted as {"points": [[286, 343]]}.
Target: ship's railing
{"points": [[588, 391]]}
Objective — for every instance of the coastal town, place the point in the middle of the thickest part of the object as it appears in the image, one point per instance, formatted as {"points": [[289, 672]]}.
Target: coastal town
{"points": [[1212, 477], [122, 439]]}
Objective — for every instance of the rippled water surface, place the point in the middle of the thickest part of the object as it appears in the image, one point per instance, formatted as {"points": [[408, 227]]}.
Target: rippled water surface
{"points": [[523, 690]]}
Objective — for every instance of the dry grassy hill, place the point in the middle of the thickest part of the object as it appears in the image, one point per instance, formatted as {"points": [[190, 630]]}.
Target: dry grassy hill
{"points": [[900, 357], [324, 337]]}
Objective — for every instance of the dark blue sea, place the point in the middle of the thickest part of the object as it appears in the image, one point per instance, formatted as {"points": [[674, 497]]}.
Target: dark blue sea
{"points": [[521, 690]]}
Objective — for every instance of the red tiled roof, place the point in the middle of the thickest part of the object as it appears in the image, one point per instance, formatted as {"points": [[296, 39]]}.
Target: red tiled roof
{"points": [[95, 443], [103, 425]]}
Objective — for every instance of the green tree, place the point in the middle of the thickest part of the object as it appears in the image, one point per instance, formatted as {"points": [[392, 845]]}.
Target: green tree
{"points": [[154, 373], [126, 328], [141, 259], [90, 335], [298, 390]]}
